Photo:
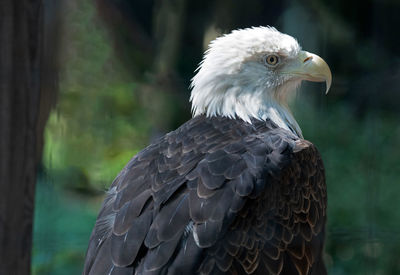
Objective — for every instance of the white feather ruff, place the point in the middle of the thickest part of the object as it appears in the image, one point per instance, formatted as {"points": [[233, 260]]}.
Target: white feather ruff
{"points": [[233, 81]]}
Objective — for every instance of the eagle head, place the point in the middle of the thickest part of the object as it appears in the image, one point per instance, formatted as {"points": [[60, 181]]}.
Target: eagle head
{"points": [[248, 73]]}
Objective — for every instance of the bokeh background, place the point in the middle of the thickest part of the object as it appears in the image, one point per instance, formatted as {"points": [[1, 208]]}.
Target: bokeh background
{"points": [[123, 71]]}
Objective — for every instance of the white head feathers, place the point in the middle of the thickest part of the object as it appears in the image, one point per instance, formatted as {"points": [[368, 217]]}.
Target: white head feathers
{"points": [[233, 79]]}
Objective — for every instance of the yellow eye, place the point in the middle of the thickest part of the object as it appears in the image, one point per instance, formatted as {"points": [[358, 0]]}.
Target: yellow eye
{"points": [[272, 60]]}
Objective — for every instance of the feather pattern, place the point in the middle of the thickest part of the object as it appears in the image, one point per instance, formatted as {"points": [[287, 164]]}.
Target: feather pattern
{"points": [[217, 195]]}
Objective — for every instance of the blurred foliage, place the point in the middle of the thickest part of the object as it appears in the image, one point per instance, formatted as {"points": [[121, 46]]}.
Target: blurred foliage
{"points": [[98, 124], [63, 223], [107, 112]]}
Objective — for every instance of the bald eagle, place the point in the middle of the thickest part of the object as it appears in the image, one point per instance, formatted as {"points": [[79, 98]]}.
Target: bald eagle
{"points": [[234, 190]]}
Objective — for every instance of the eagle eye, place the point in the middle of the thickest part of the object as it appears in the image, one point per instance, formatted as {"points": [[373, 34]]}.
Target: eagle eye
{"points": [[271, 60]]}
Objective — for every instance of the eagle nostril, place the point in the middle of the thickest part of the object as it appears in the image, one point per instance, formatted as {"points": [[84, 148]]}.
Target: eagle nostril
{"points": [[308, 58]]}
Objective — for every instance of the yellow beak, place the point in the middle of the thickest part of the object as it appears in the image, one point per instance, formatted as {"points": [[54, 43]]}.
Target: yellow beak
{"points": [[311, 67]]}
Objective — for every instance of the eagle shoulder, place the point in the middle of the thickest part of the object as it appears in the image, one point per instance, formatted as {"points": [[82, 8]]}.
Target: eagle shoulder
{"points": [[281, 231]]}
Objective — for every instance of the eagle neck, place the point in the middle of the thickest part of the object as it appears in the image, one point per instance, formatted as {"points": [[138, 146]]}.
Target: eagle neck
{"points": [[247, 104], [280, 115]]}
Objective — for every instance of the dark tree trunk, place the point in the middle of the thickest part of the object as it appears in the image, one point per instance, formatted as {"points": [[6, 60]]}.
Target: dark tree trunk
{"points": [[21, 24]]}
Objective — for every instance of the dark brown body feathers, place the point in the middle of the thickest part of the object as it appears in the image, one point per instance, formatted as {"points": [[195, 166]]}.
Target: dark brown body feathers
{"points": [[216, 196]]}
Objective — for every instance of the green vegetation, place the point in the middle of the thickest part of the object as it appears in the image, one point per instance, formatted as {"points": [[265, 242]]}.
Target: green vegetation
{"points": [[98, 123], [63, 223]]}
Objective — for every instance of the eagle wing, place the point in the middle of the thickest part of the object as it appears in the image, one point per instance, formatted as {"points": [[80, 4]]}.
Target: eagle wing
{"points": [[281, 231], [215, 196]]}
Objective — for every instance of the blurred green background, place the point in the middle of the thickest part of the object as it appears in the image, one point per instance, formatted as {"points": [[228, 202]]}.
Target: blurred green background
{"points": [[125, 68]]}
